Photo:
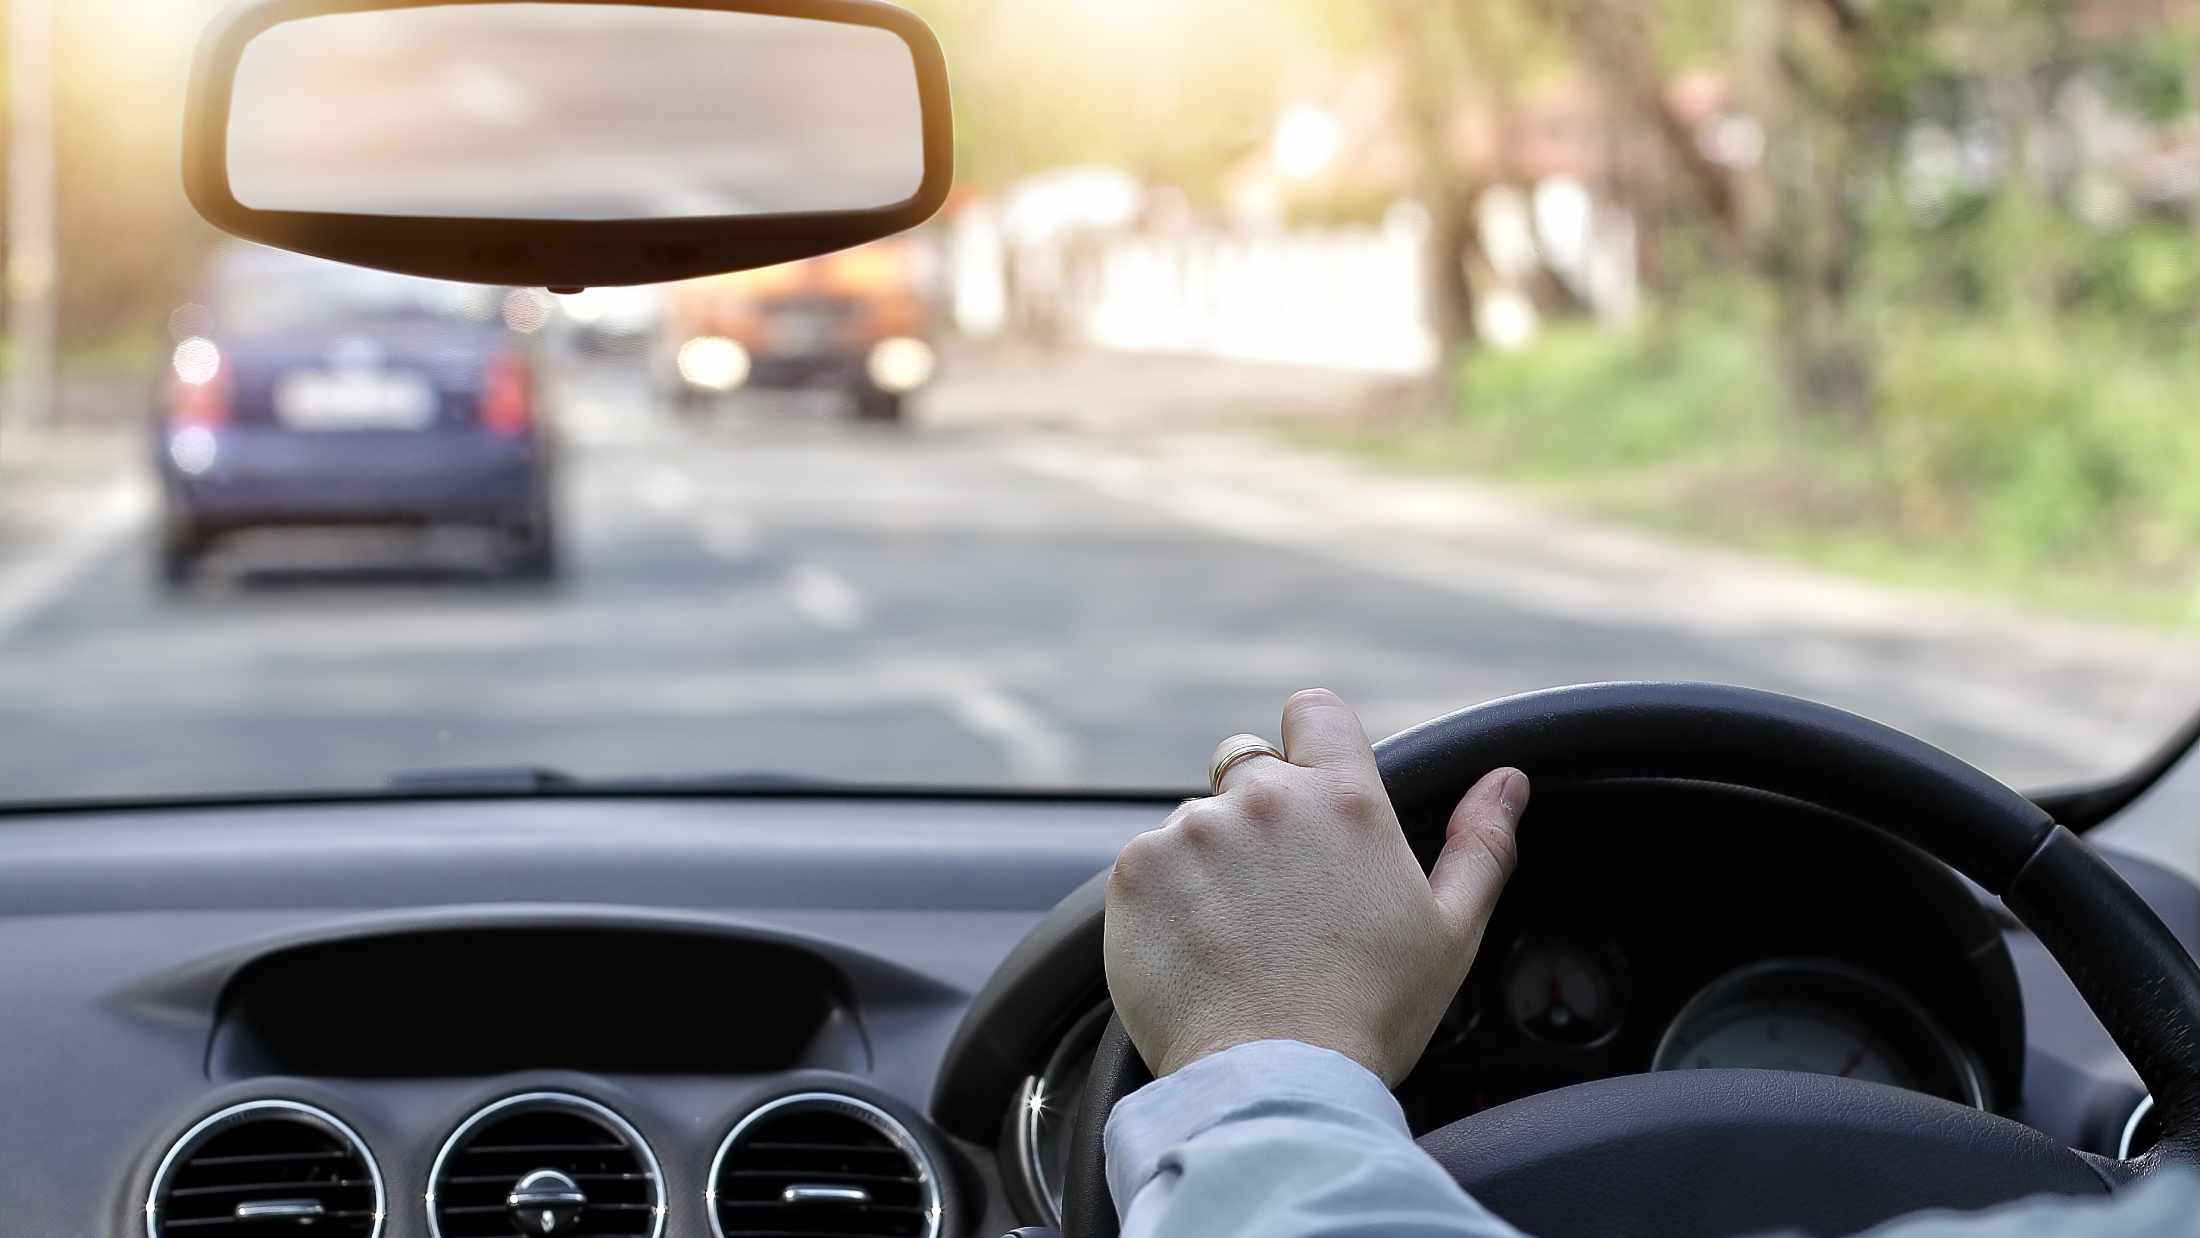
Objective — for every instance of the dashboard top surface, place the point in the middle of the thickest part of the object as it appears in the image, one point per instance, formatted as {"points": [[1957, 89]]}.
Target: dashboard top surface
{"points": [[120, 931]]}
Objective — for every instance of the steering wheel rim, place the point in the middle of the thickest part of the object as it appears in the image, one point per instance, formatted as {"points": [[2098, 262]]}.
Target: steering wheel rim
{"points": [[2126, 964]]}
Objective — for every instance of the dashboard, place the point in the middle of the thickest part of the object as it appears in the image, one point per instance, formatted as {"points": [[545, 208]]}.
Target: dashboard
{"points": [[804, 1014]]}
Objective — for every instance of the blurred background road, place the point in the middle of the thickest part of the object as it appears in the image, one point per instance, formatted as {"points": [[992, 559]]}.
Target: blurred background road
{"points": [[995, 591]]}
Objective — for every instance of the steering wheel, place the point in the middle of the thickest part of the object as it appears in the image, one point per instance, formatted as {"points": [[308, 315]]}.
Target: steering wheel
{"points": [[1734, 1151]]}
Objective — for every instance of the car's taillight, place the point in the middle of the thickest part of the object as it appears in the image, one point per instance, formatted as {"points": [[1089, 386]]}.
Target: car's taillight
{"points": [[199, 404], [507, 396], [198, 388]]}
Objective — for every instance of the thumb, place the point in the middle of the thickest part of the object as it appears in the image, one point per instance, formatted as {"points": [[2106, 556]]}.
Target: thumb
{"points": [[1479, 853]]}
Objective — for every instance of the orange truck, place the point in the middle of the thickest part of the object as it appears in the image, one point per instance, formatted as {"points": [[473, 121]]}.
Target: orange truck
{"points": [[859, 322]]}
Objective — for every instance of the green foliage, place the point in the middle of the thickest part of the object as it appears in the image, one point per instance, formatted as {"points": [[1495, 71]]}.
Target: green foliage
{"points": [[2049, 458], [2155, 75], [2011, 255], [1586, 401]]}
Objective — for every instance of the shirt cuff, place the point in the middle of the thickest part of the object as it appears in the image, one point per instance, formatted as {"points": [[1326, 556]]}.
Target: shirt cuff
{"points": [[1262, 1079]]}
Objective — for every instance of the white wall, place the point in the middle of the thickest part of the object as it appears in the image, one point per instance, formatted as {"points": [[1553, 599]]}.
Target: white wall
{"points": [[1344, 298]]}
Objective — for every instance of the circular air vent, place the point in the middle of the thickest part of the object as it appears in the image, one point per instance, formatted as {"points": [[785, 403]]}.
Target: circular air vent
{"points": [[548, 1164], [266, 1163], [821, 1163]]}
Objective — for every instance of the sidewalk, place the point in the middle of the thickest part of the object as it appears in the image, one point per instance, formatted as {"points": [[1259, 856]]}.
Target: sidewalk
{"points": [[48, 475]]}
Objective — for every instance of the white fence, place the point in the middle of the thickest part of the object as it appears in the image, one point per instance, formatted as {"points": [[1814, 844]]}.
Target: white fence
{"points": [[1350, 299]]}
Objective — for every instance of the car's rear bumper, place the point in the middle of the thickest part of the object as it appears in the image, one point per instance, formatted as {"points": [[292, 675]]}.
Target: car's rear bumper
{"points": [[274, 478], [801, 371]]}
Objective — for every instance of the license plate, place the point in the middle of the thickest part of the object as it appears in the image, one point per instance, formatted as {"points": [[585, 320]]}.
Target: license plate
{"points": [[354, 400], [804, 331]]}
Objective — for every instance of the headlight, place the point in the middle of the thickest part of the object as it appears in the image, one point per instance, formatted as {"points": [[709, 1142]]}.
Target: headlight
{"points": [[714, 363], [901, 365]]}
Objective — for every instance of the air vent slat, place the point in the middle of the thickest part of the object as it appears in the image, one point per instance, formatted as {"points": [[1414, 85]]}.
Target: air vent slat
{"points": [[266, 1152], [803, 1233], [268, 1188], [820, 1139], [262, 1158], [502, 1180], [542, 1148], [773, 1205], [243, 1227], [551, 1141], [845, 1177]]}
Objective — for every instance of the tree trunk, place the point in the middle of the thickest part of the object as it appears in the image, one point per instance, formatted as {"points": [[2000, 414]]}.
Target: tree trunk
{"points": [[1446, 190], [1618, 40], [1806, 82]]}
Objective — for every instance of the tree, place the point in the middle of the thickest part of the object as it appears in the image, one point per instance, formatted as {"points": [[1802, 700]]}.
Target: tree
{"points": [[1172, 92]]}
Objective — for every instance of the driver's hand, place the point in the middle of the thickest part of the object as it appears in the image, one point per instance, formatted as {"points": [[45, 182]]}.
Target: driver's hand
{"points": [[1289, 907]]}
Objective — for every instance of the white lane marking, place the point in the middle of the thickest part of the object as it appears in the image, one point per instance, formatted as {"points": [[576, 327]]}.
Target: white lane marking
{"points": [[667, 490], [37, 581], [1036, 751], [824, 598], [728, 535]]}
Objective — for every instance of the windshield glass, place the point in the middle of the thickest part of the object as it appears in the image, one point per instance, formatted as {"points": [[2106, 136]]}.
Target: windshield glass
{"points": [[1425, 351], [268, 292]]}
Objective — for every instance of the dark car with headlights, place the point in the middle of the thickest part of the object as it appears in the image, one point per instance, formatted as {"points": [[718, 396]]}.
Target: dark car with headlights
{"points": [[304, 393], [858, 322]]}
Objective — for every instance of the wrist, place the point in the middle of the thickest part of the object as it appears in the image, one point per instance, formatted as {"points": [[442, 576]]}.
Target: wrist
{"points": [[1354, 1048]]}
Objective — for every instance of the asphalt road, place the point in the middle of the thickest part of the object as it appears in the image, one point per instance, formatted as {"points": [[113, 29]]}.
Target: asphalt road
{"points": [[973, 600]]}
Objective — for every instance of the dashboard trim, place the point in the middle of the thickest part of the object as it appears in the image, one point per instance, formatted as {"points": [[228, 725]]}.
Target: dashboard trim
{"points": [[1031, 1099], [2130, 1133]]}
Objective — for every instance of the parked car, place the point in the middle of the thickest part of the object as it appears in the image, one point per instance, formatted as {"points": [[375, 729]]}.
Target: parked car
{"points": [[858, 322], [309, 393]]}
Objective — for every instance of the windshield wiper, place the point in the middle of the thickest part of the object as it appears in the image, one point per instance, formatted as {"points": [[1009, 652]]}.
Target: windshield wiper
{"points": [[543, 780], [501, 779]]}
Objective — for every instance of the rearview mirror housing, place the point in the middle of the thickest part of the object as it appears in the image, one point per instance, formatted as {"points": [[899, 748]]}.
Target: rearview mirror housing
{"points": [[567, 143]]}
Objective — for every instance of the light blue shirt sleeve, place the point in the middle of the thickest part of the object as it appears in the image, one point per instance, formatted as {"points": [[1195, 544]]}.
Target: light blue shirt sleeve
{"points": [[1278, 1139], [1281, 1140]]}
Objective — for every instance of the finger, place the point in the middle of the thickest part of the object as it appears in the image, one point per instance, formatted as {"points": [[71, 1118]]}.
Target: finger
{"points": [[1321, 732], [1250, 758], [1480, 850]]}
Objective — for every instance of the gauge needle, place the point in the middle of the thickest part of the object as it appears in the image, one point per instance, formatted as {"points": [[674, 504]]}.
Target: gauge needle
{"points": [[1856, 1059]]}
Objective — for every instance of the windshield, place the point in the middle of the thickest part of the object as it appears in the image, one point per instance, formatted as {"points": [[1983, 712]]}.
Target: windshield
{"points": [[264, 292], [1425, 351]]}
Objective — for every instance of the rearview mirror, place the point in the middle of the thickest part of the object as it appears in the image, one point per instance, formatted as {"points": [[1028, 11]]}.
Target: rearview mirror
{"points": [[568, 142]]}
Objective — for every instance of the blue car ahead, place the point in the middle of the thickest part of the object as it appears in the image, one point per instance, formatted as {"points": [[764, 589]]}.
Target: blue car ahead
{"points": [[305, 393]]}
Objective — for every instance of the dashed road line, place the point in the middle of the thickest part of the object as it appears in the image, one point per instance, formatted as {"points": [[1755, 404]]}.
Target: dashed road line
{"points": [[726, 534], [825, 598], [1037, 752]]}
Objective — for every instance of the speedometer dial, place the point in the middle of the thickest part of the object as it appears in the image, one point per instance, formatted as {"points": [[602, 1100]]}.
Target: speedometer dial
{"points": [[1561, 992], [1799, 1035], [1818, 1017]]}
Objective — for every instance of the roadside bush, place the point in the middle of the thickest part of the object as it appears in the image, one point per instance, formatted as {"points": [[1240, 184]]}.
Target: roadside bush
{"points": [[2057, 458]]}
